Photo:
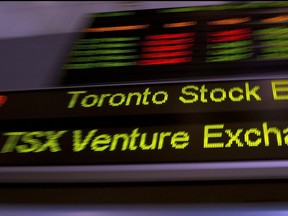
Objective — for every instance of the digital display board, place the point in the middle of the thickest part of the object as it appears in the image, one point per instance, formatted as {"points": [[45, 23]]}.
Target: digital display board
{"points": [[189, 42], [151, 123], [180, 125]]}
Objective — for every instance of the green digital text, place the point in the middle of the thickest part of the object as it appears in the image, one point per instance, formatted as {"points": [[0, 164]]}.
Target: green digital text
{"points": [[219, 136], [92, 140], [135, 140], [194, 93], [85, 99], [36, 141]]}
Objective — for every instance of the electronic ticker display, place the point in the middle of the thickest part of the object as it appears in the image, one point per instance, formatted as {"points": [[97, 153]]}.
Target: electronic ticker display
{"points": [[146, 99], [213, 141], [189, 42], [153, 123]]}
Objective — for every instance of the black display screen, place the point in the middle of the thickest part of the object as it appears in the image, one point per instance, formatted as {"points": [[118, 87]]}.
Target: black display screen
{"points": [[150, 123]]}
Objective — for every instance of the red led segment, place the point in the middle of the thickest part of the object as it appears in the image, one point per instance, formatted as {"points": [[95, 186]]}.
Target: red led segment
{"points": [[169, 36], [156, 49], [167, 42], [229, 35], [228, 40], [165, 61], [166, 48], [229, 32], [231, 38], [165, 54]]}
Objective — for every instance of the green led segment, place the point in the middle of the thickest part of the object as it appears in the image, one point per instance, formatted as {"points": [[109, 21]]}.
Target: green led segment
{"points": [[103, 52], [116, 45], [273, 37], [230, 51], [78, 66], [104, 46], [114, 14], [225, 7], [274, 56], [273, 42], [181, 10], [229, 57], [107, 40], [230, 44], [114, 64], [99, 64], [276, 49], [273, 30], [104, 58]]}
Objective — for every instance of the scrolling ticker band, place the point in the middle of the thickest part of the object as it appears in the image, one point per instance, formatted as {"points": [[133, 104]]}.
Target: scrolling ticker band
{"points": [[147, 99]]}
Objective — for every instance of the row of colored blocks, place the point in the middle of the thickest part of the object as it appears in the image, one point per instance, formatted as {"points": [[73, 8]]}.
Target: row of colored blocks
{"points": [[227, 45], [155, 49], [239, 44]]}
